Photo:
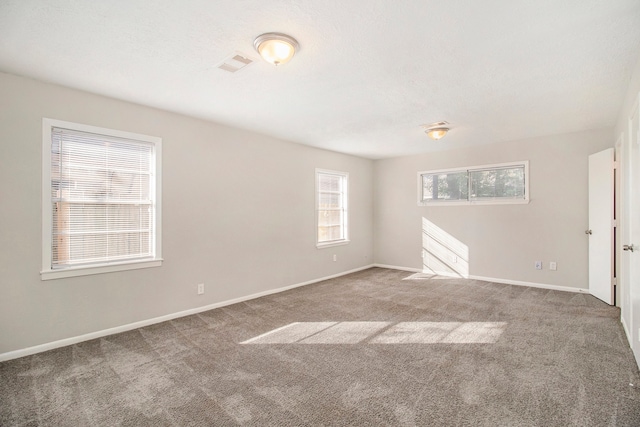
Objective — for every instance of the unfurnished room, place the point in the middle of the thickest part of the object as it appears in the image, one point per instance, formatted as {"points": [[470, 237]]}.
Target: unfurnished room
{"points": [[320, 213]]}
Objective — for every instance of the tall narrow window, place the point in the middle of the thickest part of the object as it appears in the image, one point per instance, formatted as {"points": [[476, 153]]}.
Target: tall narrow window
{"points": [[331, 207], [101, 200]]}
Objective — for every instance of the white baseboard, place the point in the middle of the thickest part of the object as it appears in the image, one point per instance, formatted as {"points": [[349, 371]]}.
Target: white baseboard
{"points": [[489, 279], [626, 331], [531, 284], [395, 267], [128, 327], [636, 355]]}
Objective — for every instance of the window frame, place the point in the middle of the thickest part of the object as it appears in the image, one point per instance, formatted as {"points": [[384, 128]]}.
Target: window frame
{"points": [[345, 203], [49, 273], [469, 201]]}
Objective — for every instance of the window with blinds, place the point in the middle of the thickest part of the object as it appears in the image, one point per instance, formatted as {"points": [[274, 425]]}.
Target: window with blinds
{"points": [[502, 183], [102, 197], [331, 207]]}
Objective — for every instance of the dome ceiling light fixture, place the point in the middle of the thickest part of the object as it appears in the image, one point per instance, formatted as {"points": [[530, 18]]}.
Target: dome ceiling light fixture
{"points": [[276, 48], [436, 130]]}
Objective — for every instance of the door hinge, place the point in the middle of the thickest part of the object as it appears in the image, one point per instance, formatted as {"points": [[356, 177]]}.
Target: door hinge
{"points": [[614, 281], [615, 164], [614, 223]]}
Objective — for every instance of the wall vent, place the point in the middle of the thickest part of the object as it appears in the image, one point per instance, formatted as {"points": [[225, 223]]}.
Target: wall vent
{"points": [[235, 62]]}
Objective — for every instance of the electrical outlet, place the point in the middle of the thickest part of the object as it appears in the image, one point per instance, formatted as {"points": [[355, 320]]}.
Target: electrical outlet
{"points": [[553, 266], [423, 255], [335, 257], [454, 258], [200, 288], [538, 265]]}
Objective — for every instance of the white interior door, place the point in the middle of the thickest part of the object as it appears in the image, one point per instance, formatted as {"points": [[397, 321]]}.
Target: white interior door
{"points": [[601, 188], [631, 237]]}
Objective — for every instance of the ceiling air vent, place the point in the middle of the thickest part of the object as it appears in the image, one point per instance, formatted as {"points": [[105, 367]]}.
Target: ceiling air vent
{"points": [[235, 62]]}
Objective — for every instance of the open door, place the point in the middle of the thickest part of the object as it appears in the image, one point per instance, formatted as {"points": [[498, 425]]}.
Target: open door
{"points": [[601, 226], [630, 257]]}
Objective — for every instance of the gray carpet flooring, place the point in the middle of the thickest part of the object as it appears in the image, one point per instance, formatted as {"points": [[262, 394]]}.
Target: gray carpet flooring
{"points": [[377, 347]]}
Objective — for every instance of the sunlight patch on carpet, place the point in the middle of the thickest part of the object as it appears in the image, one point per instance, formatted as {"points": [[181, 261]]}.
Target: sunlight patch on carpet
{"points": [[383, 333]]}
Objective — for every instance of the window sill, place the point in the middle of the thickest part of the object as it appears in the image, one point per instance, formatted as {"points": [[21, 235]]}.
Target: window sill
{"points": [[331, 244], [98, 269], [475, 202]]}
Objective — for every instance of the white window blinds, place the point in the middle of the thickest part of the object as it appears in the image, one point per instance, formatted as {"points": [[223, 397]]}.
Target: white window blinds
{"points": [[331, 206], [103, 198]]}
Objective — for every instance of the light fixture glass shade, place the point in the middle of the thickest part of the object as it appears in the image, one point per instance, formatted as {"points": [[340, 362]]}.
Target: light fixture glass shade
{"points": [[437, 133], [276, 48]]}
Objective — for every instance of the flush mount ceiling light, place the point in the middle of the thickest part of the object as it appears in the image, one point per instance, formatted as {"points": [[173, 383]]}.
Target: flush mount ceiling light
{"points": [[437, 133], [436, 130], [276, 48]]}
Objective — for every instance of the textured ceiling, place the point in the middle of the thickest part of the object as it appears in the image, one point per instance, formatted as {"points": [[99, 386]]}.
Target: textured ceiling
{"points": [[368, 74]]}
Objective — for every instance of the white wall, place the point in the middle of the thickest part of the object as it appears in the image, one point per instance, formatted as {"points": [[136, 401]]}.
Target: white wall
{"points": [[247, 225], [629, 291], [238, 215], [503, 241]]}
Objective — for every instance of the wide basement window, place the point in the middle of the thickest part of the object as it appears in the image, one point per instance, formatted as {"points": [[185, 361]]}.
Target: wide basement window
{"points": [[331, 207], [503, 183], [101, 200]]}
